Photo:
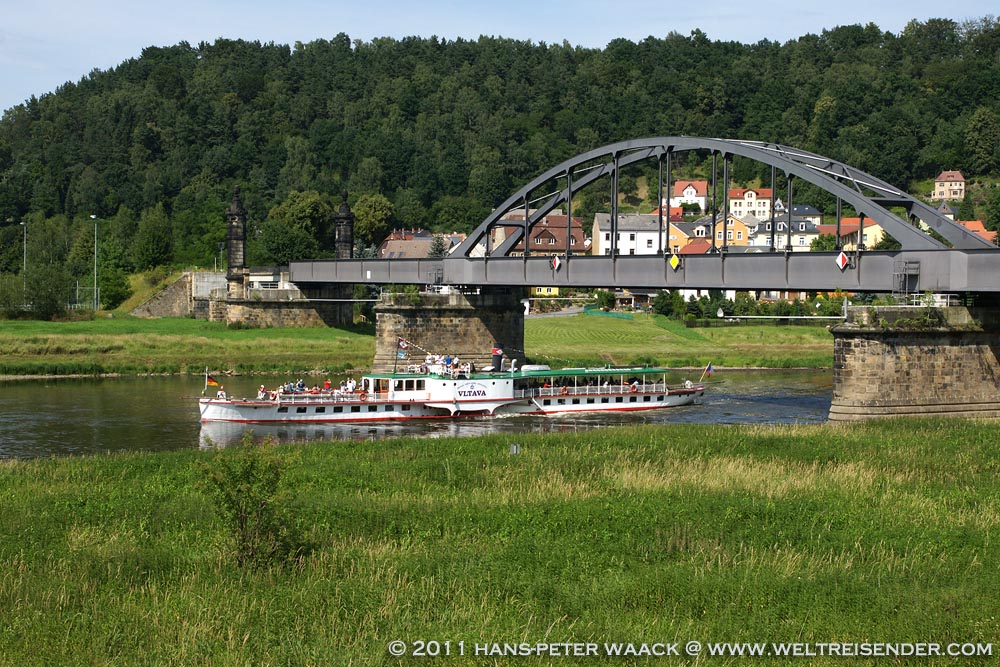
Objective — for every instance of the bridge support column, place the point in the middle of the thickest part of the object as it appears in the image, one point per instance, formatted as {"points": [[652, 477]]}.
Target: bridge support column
{"points": [[463, 325], [915, 362]]}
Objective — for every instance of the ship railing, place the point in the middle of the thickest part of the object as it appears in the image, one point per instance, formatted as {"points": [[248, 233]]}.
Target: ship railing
{"points": [[595, 390]]}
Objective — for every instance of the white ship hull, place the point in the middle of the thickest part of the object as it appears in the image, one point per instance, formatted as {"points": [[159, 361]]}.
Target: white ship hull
{"points": [[411, 396]]}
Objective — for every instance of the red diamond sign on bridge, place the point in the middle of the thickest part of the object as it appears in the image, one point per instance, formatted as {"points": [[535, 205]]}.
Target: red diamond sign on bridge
{"points": [[842, 260]]}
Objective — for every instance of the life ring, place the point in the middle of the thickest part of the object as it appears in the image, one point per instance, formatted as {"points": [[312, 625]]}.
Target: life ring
{"points": [[564, 391], [633, 389], [363, 396]]}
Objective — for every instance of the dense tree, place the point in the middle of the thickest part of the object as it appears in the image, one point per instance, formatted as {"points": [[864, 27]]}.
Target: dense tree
{"points": [[372, 213]]}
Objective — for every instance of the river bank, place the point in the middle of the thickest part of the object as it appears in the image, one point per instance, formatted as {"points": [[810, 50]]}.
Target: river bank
{"points": [[877, 532], [132, 346]]}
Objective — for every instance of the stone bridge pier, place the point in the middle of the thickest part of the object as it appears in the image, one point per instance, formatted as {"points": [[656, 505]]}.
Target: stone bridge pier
{"points": [[463, 325], [914, 362]]}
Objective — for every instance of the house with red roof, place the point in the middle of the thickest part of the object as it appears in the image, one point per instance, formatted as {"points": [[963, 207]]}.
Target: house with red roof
{"points": [[870, 235], [690, 193], [748, 201], [977, 227]]}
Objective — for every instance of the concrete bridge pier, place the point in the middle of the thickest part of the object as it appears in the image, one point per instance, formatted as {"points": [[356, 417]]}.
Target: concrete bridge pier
{"points": [[466, 325], [915, 362]]}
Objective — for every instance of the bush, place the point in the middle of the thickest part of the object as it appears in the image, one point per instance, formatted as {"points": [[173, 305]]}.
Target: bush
{"points": [[246, 485]]}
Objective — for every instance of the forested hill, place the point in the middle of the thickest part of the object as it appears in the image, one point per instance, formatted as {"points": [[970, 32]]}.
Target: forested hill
{"points": [[447, 129]]}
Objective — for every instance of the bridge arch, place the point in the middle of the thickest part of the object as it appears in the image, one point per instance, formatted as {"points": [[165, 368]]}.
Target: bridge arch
{"points": [[869, 196]]}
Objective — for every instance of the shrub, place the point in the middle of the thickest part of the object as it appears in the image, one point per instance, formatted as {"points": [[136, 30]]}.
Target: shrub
{"points": [[245, 483]]}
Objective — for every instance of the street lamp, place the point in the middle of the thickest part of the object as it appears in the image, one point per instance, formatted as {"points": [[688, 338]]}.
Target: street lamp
{"points": [[24, 263], [94, 218]]}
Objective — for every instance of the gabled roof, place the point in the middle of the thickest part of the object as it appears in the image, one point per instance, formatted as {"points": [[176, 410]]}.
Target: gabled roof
{"points": [[977, 227], [699, 246], [408, 249], [950, 177], [847, 226], [740, 193], [700, 187]]}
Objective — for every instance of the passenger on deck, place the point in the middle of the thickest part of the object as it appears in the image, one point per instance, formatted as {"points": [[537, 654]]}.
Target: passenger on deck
{"points": [[221, 393], [326, 385], [261, 393]]}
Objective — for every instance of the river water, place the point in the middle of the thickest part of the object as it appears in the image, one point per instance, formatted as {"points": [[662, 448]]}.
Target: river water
{"points": [[83, 416]]}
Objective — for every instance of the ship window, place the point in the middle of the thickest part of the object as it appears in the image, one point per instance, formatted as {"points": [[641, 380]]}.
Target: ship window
{"points": [[409, 385], [576, 401], [420, 384], [372, 408], [301, 409], [604, 400], [283, 409], [590, 401], [338, 408], [405, 408], [387, 408], [321, 410], [618, 399], [631, 399], [646, 399], [659, 398], [355, 408], [562, 401], [547, 402]]}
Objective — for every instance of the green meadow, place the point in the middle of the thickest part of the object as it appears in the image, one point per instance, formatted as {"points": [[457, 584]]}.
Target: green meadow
{"points": [[127, 345], [880, 532]]}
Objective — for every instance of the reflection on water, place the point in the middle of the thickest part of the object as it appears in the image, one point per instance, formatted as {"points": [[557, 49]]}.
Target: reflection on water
{"points": [[59, 417]]}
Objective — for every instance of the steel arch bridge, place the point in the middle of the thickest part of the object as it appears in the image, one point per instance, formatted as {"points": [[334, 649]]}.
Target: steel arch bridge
{"points": [[964, 262]]}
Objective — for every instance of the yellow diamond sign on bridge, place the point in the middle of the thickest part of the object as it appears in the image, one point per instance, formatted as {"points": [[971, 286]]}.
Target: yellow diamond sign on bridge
{"points": [[675, 261]]}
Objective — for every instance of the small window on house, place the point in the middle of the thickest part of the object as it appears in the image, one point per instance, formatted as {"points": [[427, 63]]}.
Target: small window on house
{"points": [[739, 236], [649, 243], [631, 237]]}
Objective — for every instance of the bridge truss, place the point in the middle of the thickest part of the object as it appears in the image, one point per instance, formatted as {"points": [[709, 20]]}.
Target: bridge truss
{"points": [[962, 262]]}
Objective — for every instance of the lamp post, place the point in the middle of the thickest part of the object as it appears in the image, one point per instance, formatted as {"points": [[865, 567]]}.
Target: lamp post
{"points": [[94, 218], [24, 261]]}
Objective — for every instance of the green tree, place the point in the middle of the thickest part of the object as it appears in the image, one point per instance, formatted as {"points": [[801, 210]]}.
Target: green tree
{"points": [[309, 213], [991, 210], [114, 286], [823, 243], [49, 289], [152, 244], [605, 299], [372, 213], [982, 141], [277, 244], [439, 247]]}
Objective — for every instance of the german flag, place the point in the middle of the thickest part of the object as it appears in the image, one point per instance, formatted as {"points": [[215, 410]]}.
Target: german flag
{"points": [[211, 381]]}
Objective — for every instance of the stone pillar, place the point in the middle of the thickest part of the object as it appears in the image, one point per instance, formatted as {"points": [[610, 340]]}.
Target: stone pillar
{"points": [[236, 241], [897, 362], [343, 228], [463, 325]]}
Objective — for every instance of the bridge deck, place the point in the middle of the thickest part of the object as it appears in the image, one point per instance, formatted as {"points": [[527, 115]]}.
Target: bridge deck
{"points": [[948, 270]]}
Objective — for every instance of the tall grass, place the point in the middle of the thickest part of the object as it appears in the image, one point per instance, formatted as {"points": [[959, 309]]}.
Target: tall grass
{"points": [[880, 532]]}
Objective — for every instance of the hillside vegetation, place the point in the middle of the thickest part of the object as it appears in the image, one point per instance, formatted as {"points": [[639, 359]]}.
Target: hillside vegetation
{"points": [[427, 132]]}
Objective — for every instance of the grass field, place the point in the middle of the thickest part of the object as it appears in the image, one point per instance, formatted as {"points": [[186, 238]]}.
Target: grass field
{"points": [[588, 340], [180, 345], [175, 345], [880, 532]]}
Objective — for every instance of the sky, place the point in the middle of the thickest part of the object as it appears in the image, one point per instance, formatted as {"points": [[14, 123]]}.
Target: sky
{"points": [[45, 43]]}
